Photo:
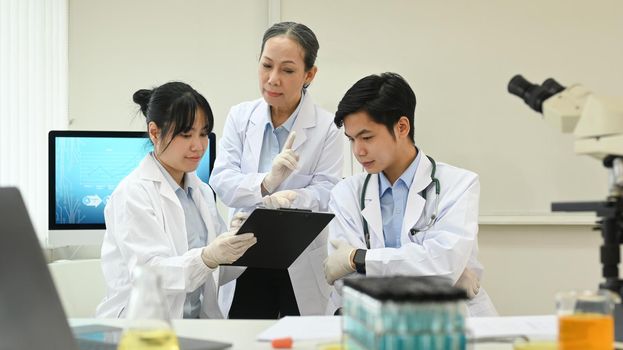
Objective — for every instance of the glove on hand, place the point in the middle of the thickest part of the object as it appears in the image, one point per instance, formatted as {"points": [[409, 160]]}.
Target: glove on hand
{"points": [[281, 199], [470, 282], [283, 165], [237, 221], [227, 248], [338, 263]]}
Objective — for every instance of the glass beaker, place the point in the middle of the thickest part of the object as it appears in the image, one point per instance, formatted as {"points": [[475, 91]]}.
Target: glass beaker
{"points": [[148, 324], [585, 320]]}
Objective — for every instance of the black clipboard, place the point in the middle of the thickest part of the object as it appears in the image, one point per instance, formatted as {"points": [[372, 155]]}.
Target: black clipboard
{"points": [[282, 235]]}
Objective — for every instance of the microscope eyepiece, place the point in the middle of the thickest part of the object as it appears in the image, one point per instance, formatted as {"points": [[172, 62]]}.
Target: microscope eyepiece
{"points": [[552, 86], [519, 86], [533, 94]]}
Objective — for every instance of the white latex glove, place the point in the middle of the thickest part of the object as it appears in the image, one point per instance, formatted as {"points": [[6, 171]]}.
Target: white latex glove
{"points": [[339, 263], [283, 165], [227, 248], [470, 282], [237, 221], [281, 199]]}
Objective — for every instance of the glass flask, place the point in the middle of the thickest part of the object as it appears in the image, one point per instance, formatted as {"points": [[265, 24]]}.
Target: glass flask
{"points": [[148, 325], [585, 320]]}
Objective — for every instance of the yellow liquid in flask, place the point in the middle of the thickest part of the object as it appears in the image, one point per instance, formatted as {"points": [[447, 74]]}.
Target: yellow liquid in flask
{"points": [[164, 339]]}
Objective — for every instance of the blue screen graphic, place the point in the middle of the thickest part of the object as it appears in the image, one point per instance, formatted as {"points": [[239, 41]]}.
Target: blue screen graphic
{"points": [[88, 169]]}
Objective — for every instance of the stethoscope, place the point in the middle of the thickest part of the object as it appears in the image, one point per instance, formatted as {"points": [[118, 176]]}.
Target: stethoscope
{"points": [[413, 230]]}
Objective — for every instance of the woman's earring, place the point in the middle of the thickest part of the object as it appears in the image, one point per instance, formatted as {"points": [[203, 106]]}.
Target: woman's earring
{"points": [[305, 86]]}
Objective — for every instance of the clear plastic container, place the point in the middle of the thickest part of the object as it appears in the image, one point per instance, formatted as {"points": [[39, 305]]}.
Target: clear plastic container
{"points": [[396, 313]]}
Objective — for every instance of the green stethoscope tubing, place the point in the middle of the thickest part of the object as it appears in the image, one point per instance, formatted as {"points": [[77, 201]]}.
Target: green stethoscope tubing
{"points": [[413, 230]]}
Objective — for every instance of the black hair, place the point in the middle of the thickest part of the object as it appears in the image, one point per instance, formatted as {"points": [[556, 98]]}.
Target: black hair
{"points": [[385, 97], [301, 34], [172, 106]]}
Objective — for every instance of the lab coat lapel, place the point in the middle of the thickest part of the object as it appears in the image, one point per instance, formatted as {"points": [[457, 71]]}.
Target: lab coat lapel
{"points": [[306, 119], [255, 134], [372, 212], [415, 202], [171, 206], [151, 172]]}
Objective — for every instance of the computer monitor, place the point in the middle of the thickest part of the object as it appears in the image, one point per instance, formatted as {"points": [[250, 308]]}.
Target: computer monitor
{"points": [[84, 169]]}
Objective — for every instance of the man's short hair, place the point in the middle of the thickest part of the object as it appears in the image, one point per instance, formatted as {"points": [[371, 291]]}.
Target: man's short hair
{"points": [[385, 97]]}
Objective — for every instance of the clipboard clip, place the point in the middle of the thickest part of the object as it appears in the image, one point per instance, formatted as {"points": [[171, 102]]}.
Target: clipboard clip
{"points": [[295, 209]]}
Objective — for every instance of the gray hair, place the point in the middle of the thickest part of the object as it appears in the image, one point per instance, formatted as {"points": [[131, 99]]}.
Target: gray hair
{"points": [[299, 33]]}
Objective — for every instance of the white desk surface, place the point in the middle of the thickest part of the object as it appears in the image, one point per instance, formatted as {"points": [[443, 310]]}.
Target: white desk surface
{"points": [[241, 333]]}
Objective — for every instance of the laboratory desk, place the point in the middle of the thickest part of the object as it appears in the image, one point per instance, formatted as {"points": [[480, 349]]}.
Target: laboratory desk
{"points": [[242, 333]]}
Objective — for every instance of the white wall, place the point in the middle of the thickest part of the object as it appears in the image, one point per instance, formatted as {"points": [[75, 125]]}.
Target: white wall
{"points": [[525, 265], [117, 47], [458, 57]]}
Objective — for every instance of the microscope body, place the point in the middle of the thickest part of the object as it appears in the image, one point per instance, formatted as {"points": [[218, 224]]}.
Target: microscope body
{"points": [[596, 122], [597, 125]]}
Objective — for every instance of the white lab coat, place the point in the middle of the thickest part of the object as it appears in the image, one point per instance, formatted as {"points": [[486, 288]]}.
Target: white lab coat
{"points": [[237, 182], [145, 225], [443, 250]]}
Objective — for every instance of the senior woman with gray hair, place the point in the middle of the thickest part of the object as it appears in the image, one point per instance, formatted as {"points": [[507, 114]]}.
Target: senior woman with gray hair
{"points": [[281, 150]]}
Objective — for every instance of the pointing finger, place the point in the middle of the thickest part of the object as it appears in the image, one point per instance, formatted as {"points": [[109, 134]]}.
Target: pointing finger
{"points": [[290, 140]]}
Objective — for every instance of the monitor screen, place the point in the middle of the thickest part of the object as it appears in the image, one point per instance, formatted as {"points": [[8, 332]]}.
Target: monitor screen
{"points": [[85, 168]]}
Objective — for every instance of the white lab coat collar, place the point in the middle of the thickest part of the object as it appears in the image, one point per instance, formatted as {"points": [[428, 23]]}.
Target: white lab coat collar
{"points": [[415, 202], [422, 179], [413, 210], [306, 119], [149, 170], [372, 212]]}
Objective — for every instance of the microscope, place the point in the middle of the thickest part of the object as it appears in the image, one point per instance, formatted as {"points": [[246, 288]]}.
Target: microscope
{"points": [[597, 125]]}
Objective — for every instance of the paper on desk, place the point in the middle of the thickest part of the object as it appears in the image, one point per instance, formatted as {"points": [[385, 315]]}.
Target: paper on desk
{"points": [[329, 327], [534, 327], [304, 328]]}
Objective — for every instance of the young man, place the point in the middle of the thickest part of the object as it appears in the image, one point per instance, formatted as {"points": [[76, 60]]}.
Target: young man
{"points": [[408, 215]]}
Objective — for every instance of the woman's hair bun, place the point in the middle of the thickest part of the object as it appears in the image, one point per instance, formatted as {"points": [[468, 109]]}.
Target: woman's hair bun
{"points": [[141, 97]]}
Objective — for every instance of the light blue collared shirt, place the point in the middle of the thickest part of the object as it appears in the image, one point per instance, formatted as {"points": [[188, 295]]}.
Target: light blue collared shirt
{"points": [[196, 232], [274, 138], [394, 202]]}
